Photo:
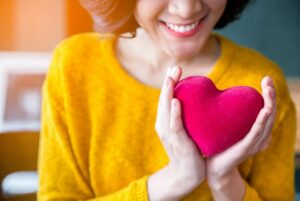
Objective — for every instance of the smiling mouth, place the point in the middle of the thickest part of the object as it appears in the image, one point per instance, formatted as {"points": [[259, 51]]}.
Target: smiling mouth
{"points": [[185, 30]]}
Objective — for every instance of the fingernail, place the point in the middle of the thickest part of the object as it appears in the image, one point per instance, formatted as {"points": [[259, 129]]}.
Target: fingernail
{"points": [[174, 70], [169, 71], [270, 80]]}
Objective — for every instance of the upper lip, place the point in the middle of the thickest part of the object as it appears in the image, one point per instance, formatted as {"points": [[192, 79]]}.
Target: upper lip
{"points": [[184, 23]]}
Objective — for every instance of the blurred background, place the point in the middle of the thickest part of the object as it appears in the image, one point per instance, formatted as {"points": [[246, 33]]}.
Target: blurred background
{"points": [[30, 30]]}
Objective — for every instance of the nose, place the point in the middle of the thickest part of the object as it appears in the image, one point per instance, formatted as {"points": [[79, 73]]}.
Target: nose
{"points": [[185, 8]]}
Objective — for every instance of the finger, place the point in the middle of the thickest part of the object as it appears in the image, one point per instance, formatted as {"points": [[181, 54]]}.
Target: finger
{"points": [[247, 146], [175, 73], [179, 139], [270, 123], [268, 92], [256, 132], [173, 76], [176, 124], [269, 96], [267, 133], [172, 143], [166, 95]]}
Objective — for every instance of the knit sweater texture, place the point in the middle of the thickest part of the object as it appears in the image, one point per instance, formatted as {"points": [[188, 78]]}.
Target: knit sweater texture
{"points": [[98, 140]]}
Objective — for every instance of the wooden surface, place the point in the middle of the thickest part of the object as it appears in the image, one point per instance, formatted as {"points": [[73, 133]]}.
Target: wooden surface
{"points": [[18, 152]]}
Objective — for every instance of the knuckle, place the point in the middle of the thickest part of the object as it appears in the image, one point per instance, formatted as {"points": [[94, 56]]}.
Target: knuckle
{"points": [[160, 126], [161, 132], [252, 151], [157, 127], [260, 125], [164, 138], [172, 139], [259, 132], [174, 128]]}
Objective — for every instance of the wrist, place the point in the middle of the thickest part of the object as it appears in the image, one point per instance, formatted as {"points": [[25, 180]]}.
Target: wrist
{"points": [[168, 185], [161, 186], [218, 181], [229, 186]]}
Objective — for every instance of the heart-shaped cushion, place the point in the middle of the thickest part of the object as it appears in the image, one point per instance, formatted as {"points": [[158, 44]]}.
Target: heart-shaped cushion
{"points": [[216, 119]]}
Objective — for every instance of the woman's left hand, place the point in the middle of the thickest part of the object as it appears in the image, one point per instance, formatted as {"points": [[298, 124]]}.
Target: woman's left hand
{"points": [[224, 164]]}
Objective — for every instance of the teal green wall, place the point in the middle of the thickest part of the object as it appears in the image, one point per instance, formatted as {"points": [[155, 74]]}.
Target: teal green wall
{"points": [[273, 28]]}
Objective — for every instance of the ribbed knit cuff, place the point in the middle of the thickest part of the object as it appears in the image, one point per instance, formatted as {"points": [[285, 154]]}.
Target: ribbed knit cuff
{"points": [[140, 192]]}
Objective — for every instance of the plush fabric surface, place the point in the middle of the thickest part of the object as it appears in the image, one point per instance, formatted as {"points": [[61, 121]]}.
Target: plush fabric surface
{"points": [[216, 119]]}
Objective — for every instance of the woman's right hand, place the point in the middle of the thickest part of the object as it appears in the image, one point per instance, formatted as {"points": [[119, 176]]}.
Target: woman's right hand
{"points": [[186, 169]]}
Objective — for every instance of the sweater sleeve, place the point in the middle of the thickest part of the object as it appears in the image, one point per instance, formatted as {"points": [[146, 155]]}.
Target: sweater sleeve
{"points": [[60, 175], [272, 174]]}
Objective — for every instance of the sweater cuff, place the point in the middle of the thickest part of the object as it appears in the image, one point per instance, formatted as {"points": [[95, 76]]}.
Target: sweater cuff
{"points": [[250, 194], [140, 192]]}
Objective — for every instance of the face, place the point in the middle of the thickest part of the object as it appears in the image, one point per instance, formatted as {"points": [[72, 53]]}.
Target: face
{"points": [[180, 27]]}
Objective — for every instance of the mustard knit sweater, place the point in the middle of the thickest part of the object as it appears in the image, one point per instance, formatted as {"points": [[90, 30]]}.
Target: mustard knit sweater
{"points": [[98, 140]]}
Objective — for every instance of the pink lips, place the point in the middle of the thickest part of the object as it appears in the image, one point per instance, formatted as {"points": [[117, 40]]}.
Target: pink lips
{"points": [[184, 34]]}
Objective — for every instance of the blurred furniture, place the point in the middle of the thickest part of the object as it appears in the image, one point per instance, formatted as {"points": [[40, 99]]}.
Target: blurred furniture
{"points": [[18, 152], [19, 183], [21, 77]]}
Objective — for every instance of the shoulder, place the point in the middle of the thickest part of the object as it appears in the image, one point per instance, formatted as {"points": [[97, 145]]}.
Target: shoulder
{"points": [[251, 59], [76, 62], [250, 66], [79, 53], [253, 65], [81, 45]]}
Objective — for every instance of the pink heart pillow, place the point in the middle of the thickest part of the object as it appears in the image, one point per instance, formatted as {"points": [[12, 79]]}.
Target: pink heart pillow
{"points": [[216, 119]]}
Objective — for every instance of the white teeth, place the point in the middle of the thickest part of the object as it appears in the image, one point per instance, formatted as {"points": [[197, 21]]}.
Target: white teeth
{"points": [[182, 29]]}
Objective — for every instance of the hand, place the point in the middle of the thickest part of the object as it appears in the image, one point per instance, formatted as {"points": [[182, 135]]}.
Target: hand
{"points": [[258, 139], [186, 169]]}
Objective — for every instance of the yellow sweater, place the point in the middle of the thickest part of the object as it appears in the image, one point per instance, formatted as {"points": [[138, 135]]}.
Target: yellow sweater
{"points": [[98, 139]]}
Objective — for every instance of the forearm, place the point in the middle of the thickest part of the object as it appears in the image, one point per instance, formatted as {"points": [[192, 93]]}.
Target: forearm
{"points": [[229, 187], [165, 186]]}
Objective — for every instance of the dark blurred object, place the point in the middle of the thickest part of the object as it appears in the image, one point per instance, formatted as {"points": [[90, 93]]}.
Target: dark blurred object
{"points": [[297, 176]]}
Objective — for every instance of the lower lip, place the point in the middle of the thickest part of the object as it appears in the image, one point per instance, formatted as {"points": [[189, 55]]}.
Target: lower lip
{"points": [[184, 34]]}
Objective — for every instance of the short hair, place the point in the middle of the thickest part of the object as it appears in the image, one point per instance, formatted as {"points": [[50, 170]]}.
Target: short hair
{"points": [[117, 16]]}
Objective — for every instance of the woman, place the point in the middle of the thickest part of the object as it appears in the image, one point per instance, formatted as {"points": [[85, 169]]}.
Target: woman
{"points": [[113, 131]]}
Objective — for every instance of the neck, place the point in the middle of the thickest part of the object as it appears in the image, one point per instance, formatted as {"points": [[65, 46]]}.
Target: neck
{"points": [[157, 58]]}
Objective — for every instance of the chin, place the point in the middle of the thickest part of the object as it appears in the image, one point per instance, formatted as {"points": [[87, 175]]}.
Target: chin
{"points": [[183, 53], [183, 50]]}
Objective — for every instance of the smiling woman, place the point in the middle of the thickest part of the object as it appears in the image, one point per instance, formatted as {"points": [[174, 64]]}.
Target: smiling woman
{"points": [[112, 128]]}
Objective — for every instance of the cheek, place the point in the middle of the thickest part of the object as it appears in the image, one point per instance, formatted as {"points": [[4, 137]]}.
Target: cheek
{"points": [[147, 12], [218, 6]]}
